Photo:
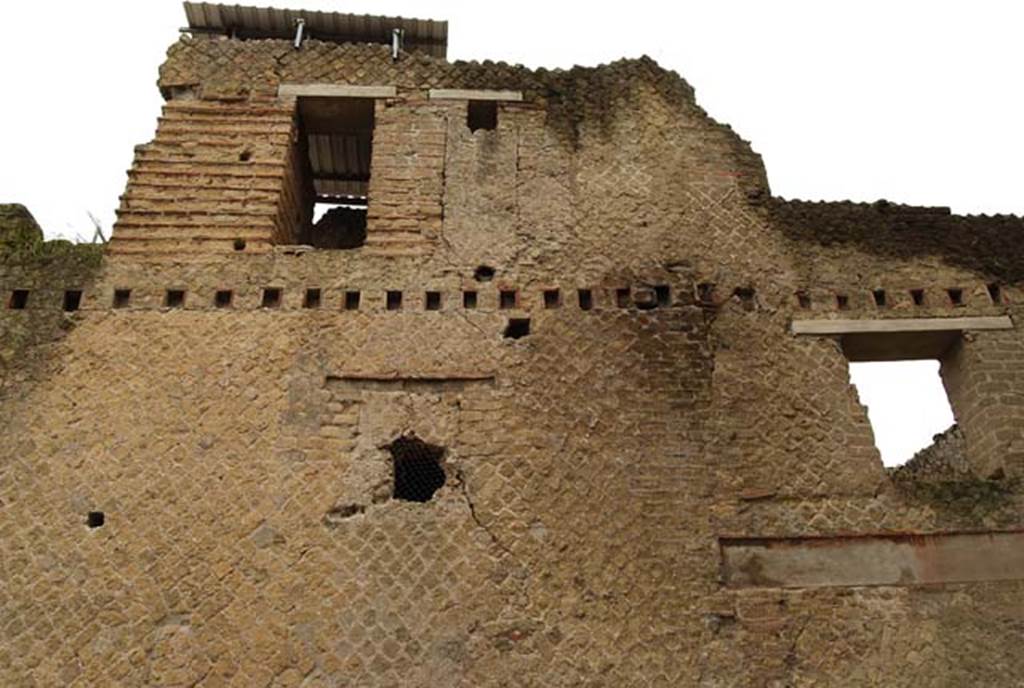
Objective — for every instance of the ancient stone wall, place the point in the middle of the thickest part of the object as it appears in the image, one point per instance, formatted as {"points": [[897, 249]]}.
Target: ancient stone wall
{"points": [[597, 466]]}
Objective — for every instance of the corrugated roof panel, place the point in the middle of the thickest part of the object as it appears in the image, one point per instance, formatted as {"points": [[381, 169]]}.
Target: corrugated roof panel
{"points": [[424, 35]]}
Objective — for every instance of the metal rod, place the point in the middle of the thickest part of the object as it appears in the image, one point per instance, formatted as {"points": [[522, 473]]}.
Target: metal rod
{"points": [[396, 42], [300, 25]]}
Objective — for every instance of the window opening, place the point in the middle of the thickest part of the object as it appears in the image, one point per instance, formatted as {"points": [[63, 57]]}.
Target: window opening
{"points": [[351, 300], [917, 296], [507, 298], [222, 298], [907, 405], [483, 273], [469, 299], [879, 296], [433, 301], [995, 293], [482, 114], [312, 299], [394, 300], [956, 296], [842, 302], [335, 150], [418, 471]]}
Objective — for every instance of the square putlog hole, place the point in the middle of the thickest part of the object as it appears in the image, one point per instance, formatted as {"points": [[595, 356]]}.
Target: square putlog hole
{"points": [[586, 299], [271, 298], [552, 298], [174, 298], [72, 300], [18, 300], [122, 298]]}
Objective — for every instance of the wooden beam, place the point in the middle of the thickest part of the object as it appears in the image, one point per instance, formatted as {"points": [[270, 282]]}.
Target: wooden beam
{"points": [[893, 325]]}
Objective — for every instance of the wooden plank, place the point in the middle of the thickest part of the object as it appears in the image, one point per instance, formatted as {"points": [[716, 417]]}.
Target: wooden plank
{"points": [[335, 91], [891, 325], [465, 94]]}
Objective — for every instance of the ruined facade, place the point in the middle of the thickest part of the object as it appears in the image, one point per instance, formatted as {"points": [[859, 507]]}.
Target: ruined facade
{"points": [[554, 394]]}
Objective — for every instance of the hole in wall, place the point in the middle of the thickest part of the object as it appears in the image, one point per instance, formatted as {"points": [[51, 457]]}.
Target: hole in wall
{"points": [[482, 114], [418, 472], [222, 298], [72, 300], [586, 299], [879, 296], [394, 300], [174, 298], [917, 296], [552, 298], [842, 302], [469, 299], [956, 296], [338, 226], [507, 298], [746, 296], [122, 298], [18, 300], [907, 405], [483, 273], [995, 292], [432, 301], [271, 297], [95, 519], [311, 299], [803, 299], [517, 328], [622, 297], [706, 293], [239, 244], [245, 156], [334, 153], [663, 295], [351, 300]]}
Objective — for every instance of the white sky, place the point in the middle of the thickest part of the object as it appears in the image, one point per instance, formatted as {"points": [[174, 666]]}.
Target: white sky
{"points": [[917, 101]]}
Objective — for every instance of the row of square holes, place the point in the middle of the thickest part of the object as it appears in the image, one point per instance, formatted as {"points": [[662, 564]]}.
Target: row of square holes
{"points": [[272, 297], [175, 298], [881, 299]]}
